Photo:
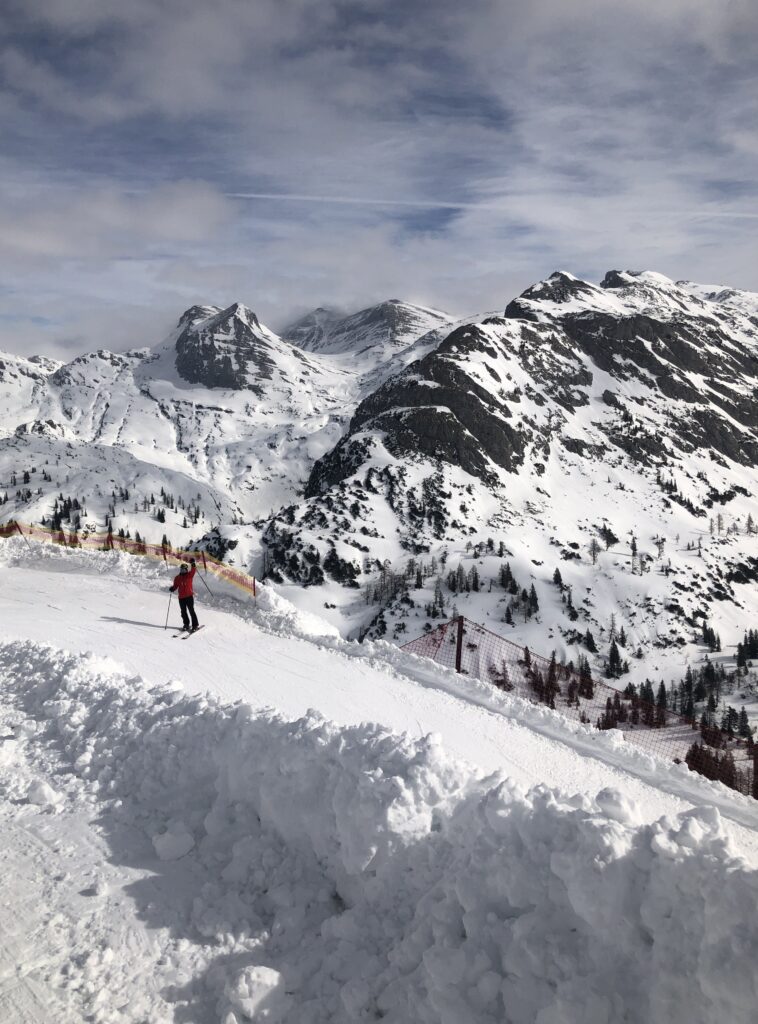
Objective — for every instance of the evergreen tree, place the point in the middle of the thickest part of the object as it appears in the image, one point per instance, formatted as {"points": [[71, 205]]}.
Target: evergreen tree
{"points": [[594, 550], [586, 685], [552, 689], [661, 704], [613, 666], [743, 724]]}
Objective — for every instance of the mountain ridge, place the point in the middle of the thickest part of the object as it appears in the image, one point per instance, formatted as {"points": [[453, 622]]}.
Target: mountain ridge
{"points": [[576, 414]]}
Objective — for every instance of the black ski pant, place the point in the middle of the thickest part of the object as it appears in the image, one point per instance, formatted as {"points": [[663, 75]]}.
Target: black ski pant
{"points": [[187, 605]]}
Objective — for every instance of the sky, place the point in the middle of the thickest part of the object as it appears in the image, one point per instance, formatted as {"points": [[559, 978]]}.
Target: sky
{"points": [[295, 153]]}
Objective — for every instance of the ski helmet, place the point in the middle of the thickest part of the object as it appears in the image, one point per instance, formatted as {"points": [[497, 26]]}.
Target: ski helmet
{"points": [[184, 567]]}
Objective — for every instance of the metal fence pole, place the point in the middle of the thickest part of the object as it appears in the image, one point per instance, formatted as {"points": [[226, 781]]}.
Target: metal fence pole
{"points": [[459, 644]]}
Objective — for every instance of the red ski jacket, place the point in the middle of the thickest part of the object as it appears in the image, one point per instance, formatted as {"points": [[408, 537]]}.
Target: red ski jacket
{"points": [[183, 582]]}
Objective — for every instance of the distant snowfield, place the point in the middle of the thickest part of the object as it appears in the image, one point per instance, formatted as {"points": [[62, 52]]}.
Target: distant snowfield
{"points": [[170, 856]]}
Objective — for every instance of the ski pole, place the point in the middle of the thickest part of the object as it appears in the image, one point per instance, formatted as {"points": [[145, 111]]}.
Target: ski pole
{"points": [[205, 584], [170, 595]]}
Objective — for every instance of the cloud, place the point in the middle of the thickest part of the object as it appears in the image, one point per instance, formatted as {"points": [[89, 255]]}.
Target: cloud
{"points": [[446, 153], [46, 224]]}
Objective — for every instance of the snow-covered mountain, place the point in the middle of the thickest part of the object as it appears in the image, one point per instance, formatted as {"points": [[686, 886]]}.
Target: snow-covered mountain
{"points": [[223, 415], [371, 335], [609, 432], [387, 465]]}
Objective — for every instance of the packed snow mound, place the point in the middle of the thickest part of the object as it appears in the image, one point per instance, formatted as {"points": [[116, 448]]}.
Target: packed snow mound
{"points": [[350, 873]]}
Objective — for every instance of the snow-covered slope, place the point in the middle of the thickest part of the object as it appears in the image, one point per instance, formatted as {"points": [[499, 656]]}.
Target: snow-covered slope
{"points": [[371, 335], [22, 383], [744, 301], [169, 856]]}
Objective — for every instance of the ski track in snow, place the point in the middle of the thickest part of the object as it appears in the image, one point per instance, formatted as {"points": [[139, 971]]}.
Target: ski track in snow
{"points": [[91, 918]]}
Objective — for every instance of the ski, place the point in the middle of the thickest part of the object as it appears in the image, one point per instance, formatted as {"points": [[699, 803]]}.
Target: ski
{"points": [[192, 632]]}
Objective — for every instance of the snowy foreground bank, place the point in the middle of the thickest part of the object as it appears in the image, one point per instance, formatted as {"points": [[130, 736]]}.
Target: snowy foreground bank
{"points": [[306, 872]]}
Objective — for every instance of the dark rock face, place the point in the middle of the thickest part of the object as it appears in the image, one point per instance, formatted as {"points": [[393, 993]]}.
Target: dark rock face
{"points": [[226, 351], [436, 410], [197, 313], [342, 461], [672, 352], [643, 340], [617, 278]]}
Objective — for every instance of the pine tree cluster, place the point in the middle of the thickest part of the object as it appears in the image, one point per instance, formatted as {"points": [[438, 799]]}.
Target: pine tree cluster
{"points": [[719, 767], [748, 648], [66, 510], [711, 637]]}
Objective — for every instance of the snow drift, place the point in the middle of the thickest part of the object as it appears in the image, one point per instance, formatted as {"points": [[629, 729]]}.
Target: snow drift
{"points": [[348, 874]]}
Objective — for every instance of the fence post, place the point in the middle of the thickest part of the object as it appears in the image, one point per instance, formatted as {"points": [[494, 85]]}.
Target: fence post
{"points": [[755, 772], [459, 644], [23, 535]]}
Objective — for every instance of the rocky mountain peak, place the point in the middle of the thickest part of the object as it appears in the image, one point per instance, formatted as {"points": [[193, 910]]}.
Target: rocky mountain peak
{"points": [[560, 288], [309, 331], [374, 333], [229, 349], [195, 314]]}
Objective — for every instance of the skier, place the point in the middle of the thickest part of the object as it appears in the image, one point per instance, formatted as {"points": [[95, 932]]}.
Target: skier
{"points": [[183, 583]]}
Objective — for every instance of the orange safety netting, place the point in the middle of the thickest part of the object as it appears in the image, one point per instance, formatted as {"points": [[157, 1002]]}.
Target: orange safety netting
{"points": [[109, 542], [475, 651]]}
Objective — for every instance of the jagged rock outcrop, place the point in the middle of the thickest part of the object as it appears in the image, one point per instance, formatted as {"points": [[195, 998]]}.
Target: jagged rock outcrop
{"points": [[229, 349]]}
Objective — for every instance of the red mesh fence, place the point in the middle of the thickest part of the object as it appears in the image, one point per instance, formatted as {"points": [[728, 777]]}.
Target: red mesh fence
{"points": [[109, 542], [475, 651]]}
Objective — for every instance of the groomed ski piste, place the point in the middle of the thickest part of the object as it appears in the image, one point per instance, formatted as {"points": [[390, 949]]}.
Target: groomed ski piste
{"points": [[270, 823]]}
